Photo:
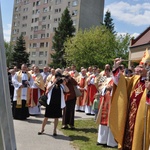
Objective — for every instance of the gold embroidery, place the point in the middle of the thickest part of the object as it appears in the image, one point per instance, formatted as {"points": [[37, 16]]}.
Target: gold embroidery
{"points": [[130, 126], [139, 89]]}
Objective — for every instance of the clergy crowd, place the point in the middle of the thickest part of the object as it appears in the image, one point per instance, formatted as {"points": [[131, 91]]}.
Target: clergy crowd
{"points": [[116, 97]]}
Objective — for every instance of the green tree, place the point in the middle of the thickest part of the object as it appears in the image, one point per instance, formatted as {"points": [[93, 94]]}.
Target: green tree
{"points": [[20, 56], [122, 45], [108, 22], [65, 30], [9, 53], [95, 46]]}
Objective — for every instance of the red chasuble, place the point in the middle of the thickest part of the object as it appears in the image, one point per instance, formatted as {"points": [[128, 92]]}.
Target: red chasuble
{"points": [[134, 103]]}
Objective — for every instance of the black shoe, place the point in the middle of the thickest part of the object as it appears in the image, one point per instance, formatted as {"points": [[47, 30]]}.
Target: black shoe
{"points": [[88, 114], [39, 133], [54, 134], [101, 144], [72, 127]]}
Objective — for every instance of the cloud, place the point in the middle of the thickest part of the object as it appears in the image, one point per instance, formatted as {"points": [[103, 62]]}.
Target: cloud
{"points": [[135, 35], [132, 35], [136, 15], [7, 32]]}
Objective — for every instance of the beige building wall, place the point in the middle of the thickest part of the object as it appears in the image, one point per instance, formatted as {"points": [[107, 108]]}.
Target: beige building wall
{"points": [[38, 19], [136, 53]]}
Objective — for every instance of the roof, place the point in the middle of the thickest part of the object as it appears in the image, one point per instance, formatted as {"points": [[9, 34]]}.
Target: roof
{"points": [[142, 39]]}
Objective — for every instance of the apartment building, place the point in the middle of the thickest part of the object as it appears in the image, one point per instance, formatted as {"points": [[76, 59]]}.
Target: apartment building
{"points": [[38, 19]]}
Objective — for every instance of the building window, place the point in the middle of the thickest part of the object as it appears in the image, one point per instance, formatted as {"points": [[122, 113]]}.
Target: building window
{"points": [[37, 11], [34, 45], [68, 4], [45, 9], [37, 3], [58, 19], [55, 19], [45, 53], [54, 29], [42, 35], [48, 26], [46, 44], [56, 10], [15, 31], [14, 39], [47, 34], [25, 9], [35, 36], [24, 25], [17, 1], [74, 22], [40, 62], [43, 18], [74, 12], [16, 16], [57, 2], [33, 53], [26, 2], [15, 24], [33, 4], [50, 8], [42, 44], [16, 9], [23, 33], [49, 17], [25, 17], [45, 1], [18, 23], [36, 19], [30, 36], [41, 54], [75, 3], [35, 28], [32, 61], [43, 27]]}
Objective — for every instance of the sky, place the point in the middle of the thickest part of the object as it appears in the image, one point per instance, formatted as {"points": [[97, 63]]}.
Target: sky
{"points": [[129, 16]]}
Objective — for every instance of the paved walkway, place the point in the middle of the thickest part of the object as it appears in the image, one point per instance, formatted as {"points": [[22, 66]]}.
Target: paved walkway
{"points": [[28, 139]]}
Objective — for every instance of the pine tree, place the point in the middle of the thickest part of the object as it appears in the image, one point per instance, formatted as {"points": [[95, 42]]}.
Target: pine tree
{"points": [[65, 30], [20, 56], [108, 22]]}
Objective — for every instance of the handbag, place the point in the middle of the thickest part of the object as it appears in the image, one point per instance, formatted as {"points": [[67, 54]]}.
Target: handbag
{"points": [[43, 100], [77, 91]]}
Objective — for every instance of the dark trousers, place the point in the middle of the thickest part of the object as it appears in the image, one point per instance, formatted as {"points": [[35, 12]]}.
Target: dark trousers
{"points": [[11, 92], [68, 112]]}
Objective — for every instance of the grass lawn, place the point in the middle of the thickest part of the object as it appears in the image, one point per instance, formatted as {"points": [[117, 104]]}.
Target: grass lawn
{"points": [[84, 137]]}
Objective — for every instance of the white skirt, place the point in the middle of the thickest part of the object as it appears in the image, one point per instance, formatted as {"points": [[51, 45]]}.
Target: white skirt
{"points": [[105, 136], [88, 110]]}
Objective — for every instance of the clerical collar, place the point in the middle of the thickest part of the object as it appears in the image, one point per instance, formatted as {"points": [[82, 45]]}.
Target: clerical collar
{"points": [[24, 72], [143, 79], [83, 76]]}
